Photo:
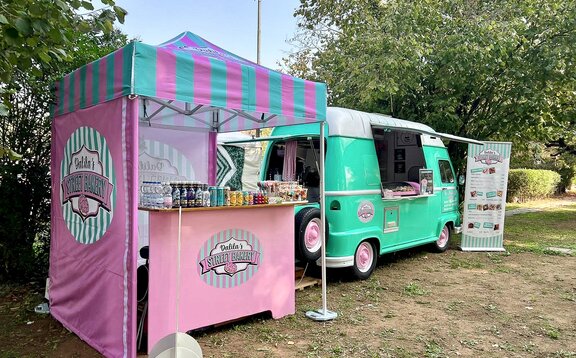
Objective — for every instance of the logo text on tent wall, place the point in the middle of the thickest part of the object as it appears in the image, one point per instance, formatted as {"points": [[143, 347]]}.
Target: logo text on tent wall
{"points": [[229, 258], [87, 190]]}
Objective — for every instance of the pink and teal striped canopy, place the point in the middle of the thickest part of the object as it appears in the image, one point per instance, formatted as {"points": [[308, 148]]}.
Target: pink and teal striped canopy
{"points": [[189, 69]]}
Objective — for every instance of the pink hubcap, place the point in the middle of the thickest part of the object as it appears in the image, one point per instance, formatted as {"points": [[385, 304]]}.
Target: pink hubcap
{"points": [[312, 238], [443, 239], [364, 257]]}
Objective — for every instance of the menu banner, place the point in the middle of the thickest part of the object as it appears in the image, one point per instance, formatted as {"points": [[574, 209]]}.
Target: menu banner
{"points": [[485, 197]]}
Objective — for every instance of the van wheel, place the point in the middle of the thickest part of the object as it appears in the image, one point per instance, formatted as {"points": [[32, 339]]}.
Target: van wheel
{"points": [[308, 234], [364, 260], [441, 244]]}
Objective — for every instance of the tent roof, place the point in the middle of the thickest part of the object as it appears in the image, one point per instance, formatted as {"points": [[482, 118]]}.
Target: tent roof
{"points": [[190, 75]]}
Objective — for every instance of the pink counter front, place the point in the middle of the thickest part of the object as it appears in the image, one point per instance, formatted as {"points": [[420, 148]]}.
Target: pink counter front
{"points": [[234, 262]]}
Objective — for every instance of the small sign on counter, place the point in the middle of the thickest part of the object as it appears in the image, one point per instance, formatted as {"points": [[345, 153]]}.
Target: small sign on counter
{"points": [[426, 180]]}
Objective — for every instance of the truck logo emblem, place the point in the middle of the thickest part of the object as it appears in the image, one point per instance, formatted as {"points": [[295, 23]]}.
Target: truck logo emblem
{"points": [[365, 211]]}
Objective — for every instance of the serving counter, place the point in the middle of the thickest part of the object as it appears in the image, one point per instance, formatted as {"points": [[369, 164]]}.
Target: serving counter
{"points": [[234, 262], [408, 197]]}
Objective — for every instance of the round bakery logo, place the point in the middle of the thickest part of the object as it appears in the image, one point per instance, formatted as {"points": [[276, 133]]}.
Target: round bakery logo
{"points": [[229, 258], [365, 211], [88, 190]]}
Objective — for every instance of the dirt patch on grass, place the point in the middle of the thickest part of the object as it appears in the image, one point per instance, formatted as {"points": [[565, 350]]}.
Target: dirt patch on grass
{"points": [[416, 304]]}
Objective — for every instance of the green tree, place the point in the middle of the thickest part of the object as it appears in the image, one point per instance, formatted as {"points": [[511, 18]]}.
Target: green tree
{"points": [[501, 70], [37, 34], [25, 183], [41, 31]]}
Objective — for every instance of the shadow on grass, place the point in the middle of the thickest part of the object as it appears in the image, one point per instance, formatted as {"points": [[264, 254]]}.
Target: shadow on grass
{"points": [[334, 275]]}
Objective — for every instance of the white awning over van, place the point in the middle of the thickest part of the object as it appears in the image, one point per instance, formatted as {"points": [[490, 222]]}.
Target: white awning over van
{"points": [[356, 124], [456, 138], [351, 123], [270, 138]]}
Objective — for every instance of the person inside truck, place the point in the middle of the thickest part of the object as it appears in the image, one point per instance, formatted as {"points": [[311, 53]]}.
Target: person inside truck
{"points": [[311, 180]]}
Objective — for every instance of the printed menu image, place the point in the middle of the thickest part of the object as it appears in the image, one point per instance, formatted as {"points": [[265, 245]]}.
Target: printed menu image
{"points": [[485, 196]]}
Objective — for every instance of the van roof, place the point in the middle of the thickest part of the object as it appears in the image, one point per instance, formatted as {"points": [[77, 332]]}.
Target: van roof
{"points": [[356, 124], [351, 123]]}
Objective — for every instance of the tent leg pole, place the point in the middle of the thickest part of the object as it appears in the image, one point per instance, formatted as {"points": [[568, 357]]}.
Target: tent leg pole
{"points": [[322, 314]]}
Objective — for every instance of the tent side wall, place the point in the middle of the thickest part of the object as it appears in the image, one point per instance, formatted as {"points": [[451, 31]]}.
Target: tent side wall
{"points": [[93, 224]]}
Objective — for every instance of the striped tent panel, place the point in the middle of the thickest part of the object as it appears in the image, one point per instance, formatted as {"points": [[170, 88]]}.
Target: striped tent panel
{"points": [[188, 75], [192, 70], [100, 81]]}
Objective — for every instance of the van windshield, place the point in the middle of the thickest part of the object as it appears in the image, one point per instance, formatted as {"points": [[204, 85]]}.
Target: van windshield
{"points": [[296, 160]]}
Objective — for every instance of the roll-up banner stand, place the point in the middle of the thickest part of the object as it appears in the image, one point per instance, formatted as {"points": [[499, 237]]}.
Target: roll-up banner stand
{"points": [[485, 197]]}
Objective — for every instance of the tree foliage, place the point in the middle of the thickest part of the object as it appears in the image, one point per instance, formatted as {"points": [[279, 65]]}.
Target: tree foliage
{"points": [[25, 183], [502, 70], [40, 31], [37, 34]]}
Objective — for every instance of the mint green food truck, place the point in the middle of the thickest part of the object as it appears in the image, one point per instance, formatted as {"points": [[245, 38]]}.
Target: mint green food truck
{"points": [[389, 185]]}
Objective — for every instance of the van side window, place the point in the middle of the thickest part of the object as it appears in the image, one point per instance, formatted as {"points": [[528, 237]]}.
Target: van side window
{"points": [[446, 174]]}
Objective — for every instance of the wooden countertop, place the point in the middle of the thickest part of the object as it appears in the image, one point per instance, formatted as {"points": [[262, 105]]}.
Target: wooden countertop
{"points": [[243, 207]]}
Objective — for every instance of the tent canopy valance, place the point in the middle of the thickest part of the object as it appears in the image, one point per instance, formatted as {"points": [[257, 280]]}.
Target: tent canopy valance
{"points": [[215, 89]]}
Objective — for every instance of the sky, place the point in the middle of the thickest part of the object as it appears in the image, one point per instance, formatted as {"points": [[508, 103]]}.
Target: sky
{"points": [[230, 24]]}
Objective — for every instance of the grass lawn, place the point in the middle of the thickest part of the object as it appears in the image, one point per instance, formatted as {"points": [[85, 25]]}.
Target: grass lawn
{"points": [[535, 232]]}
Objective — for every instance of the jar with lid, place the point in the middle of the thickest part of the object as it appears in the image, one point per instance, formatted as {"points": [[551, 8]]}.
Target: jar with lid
{"points": [[167, 193]]}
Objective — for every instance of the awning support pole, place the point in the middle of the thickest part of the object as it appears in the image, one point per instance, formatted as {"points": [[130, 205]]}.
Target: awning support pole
{"points": [[322, 314]]}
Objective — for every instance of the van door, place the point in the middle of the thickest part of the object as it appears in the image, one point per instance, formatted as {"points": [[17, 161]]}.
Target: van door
{"points": [[449, 192]]}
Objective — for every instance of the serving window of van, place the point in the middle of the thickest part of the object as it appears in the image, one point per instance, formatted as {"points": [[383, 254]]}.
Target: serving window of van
{"points": [[400, 158], [296, 160]]}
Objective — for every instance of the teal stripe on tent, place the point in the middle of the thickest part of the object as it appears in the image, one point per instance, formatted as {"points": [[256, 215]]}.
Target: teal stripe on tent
{"points": [[299, 98], [73, 218], [184, 77], [180, 44], [145, 70], [95, 83], [199, 41], [321, 100], [248, 88], [71, 89], [110, 76], [275, 86], [218, 74], [61, 96], [127, 69], [83, 87]]}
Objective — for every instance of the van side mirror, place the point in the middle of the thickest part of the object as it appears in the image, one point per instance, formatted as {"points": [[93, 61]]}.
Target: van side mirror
{"points": [[461, 179]]}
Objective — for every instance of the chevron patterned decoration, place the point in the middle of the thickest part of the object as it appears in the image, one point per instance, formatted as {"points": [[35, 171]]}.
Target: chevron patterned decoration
{"points": [[230, 164]]}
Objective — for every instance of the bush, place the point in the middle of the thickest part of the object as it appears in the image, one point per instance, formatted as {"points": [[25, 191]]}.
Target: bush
{"points": [[529, 184], [567, 173]]}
